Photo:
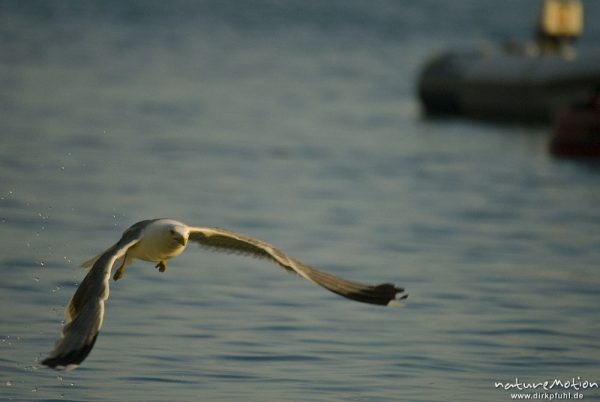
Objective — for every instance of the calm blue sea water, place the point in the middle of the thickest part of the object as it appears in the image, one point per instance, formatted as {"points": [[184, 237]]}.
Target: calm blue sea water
{"points": [[295, 122]]}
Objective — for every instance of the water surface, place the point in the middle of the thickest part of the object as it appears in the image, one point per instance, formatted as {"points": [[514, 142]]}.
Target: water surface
{"points": [[295, 122]]}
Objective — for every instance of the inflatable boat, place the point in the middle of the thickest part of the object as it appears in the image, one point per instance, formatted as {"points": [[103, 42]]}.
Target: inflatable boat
{"points": [[508, 83]]}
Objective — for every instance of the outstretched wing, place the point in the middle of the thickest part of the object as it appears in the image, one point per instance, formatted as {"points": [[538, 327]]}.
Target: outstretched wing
{"points": [[226, 240], [85, 311]]}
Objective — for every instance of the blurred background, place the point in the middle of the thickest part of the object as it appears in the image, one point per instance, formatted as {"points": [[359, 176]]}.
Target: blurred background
{"points": [[297, 122]]}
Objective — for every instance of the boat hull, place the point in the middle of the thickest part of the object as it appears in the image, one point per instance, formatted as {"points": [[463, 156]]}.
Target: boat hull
{"points": [[505, 86]]}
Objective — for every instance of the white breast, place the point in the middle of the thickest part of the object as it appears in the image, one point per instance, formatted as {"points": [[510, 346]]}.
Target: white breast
{"points": [[156, 249]]}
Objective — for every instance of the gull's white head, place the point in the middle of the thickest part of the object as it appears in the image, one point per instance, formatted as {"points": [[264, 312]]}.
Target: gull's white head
{"points": [[169, 232], [177, 234]]}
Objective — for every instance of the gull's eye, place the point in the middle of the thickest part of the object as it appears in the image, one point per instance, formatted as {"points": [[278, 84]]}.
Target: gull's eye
{"points": [[172, 231]]}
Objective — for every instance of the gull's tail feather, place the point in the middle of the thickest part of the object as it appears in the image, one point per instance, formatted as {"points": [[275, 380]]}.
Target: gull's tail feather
{"points": [[383, 294], [90, 263]]}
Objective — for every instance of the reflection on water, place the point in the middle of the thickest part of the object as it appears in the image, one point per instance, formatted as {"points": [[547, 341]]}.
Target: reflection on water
{"points": [[295, 123]]}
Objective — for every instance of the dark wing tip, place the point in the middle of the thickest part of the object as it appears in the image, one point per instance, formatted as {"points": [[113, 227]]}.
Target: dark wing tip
{"points": [[384, 294], [72, 358], [393, 292]]}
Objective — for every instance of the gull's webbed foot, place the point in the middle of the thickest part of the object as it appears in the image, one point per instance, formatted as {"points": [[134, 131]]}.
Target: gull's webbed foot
{"points": [[119, 273], [162, 265]]}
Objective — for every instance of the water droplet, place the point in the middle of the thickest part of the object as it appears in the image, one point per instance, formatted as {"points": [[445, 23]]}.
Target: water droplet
{"points": [[42, 264], [36, 278], [34, 389], [8, 383]]}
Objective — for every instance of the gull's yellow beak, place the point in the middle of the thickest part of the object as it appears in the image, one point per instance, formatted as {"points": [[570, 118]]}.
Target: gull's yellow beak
{"points": [[181, 240]]}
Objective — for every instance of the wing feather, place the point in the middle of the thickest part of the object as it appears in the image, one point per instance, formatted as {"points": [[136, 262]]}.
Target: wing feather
{"points": [[229, 241], [85, 311]]}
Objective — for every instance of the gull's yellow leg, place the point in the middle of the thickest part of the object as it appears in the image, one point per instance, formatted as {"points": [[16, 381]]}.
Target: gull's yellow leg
{"points": [[120, 272], [162, 265]]}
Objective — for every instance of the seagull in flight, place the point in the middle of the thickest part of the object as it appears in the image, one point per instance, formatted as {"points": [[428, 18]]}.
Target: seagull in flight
{"points": [[158, 240]]}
